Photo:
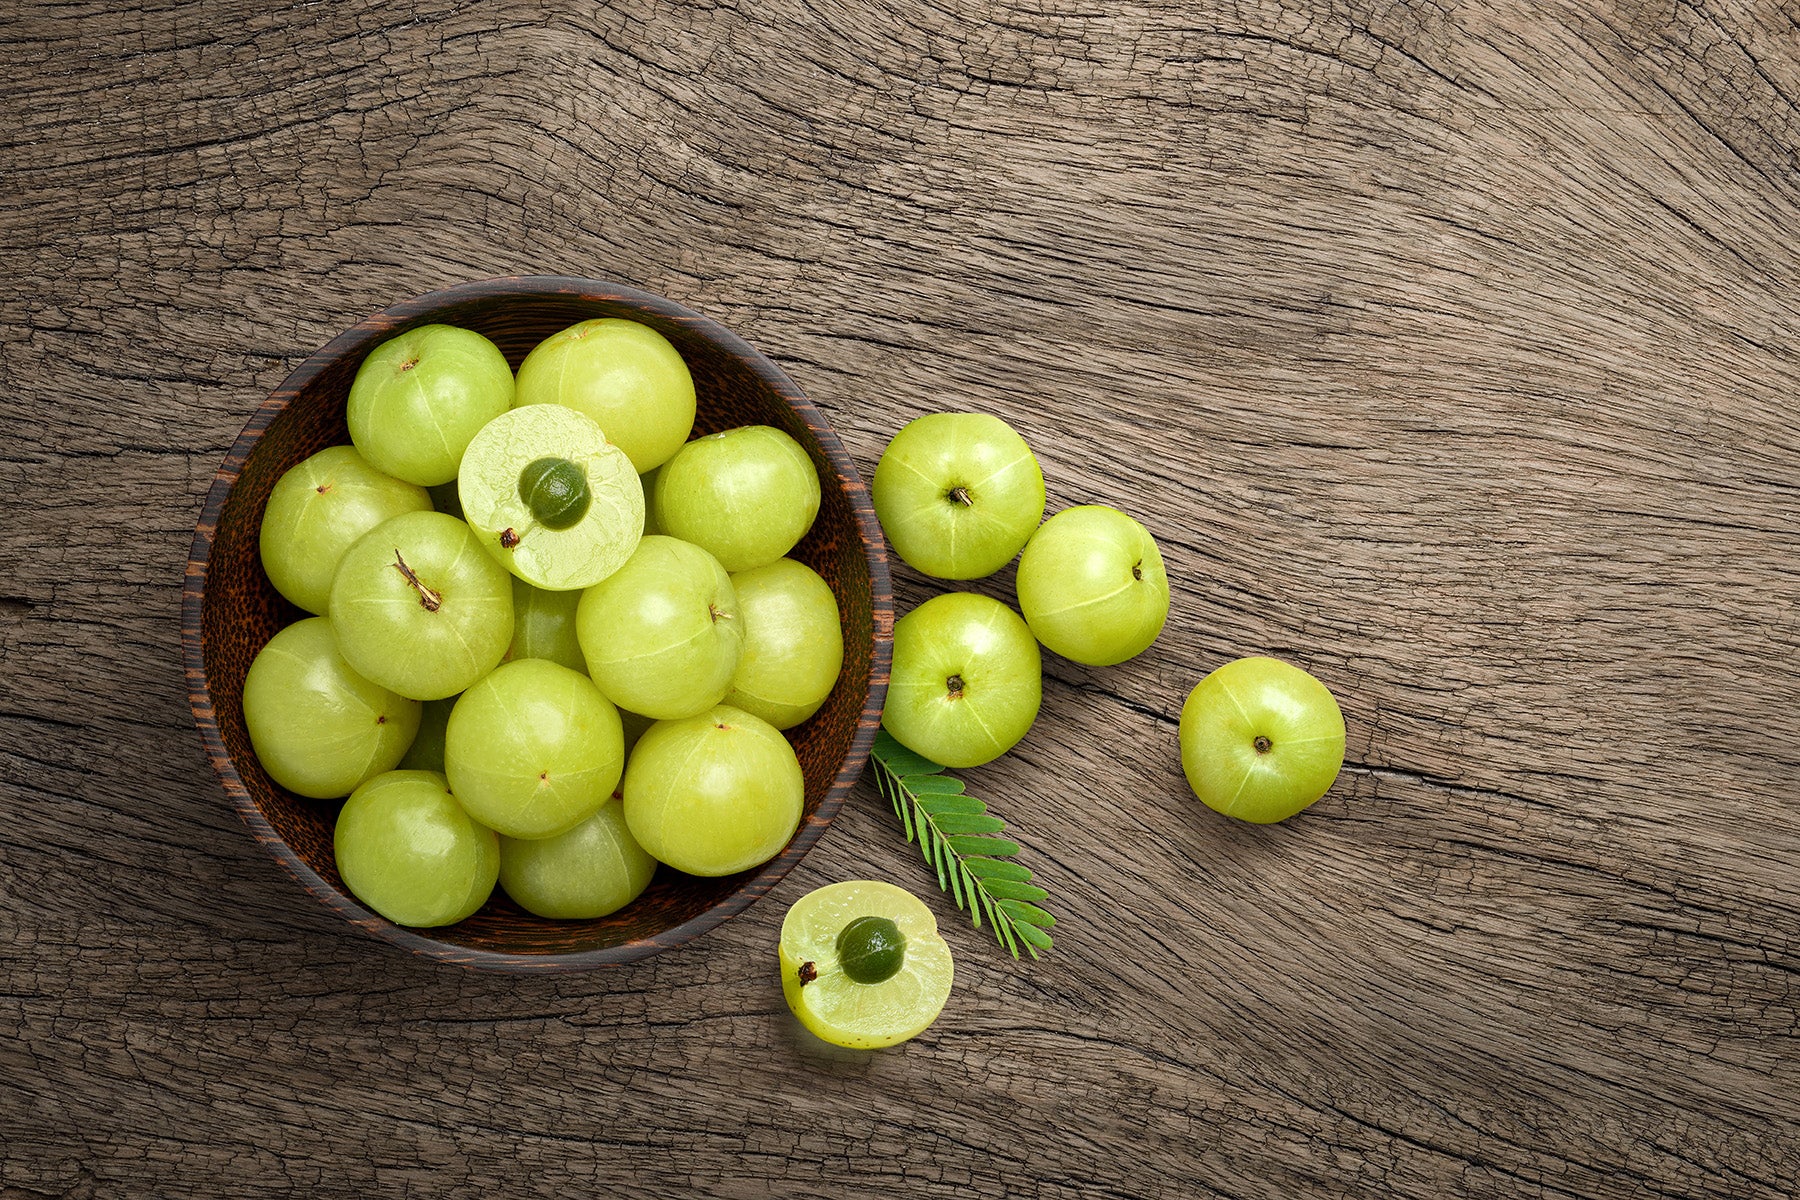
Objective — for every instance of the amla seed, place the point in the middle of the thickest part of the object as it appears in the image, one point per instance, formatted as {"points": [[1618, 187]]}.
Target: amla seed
{"points": [[556, 491], [871, 949]]}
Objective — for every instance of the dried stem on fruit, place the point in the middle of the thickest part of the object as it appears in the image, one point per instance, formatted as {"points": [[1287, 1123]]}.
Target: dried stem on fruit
{"points": [[429, 600]]}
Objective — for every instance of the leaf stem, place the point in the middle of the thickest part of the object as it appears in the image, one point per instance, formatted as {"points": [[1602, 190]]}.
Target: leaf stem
{"points": [[959, 841]]}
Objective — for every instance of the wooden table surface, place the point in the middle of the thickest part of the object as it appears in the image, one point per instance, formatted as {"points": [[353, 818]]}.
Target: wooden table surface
{"points": [[1449, 350]]}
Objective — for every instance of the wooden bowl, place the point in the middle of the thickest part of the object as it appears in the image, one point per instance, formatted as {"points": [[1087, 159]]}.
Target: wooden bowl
{"points": [[229, 610]]}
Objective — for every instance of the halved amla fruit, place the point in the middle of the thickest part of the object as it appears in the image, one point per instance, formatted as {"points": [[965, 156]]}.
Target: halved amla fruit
{"points": [[550, 498], [862, 964]]}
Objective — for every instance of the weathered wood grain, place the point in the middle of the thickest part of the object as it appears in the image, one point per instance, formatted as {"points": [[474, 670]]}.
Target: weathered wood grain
{"points": [[1449, 350]]}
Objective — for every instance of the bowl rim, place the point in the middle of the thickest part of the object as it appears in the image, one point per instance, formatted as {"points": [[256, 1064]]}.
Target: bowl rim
{"points": [[365, 335]]}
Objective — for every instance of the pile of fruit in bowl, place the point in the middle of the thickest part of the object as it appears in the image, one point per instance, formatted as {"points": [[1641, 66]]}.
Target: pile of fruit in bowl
{"points": [[538, 623]]}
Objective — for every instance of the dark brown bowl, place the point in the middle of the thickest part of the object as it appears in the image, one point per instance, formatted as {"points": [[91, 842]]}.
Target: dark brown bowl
{"points": [[229, 610]]}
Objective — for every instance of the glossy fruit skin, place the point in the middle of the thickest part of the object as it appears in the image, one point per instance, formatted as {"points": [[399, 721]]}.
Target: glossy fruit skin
{"points": [[713, 794], [1092, 585], [1295, 716], [593, 869], [544, 626], [746, 496], [661, 635], [317, 510], [319, 728], [967, 680], [383, 627], [533, 749], [420, 397], [958, 494], [507, 455], [793, 647], [408, 850], [624, 375], [836, 1008]]}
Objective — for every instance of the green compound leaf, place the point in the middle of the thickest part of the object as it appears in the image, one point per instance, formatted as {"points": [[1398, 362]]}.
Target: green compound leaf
{"points": [[1007, 889], [964, 822], [960, 843], [1019, 910], [903, 762], [981, 845], [993, 868], [939, 806]]}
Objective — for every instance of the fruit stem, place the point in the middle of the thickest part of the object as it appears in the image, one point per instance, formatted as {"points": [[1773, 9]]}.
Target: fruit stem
{"points": [[955, 686], [808, 973], [960, 495], [428, 599], [1262, 744]]}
